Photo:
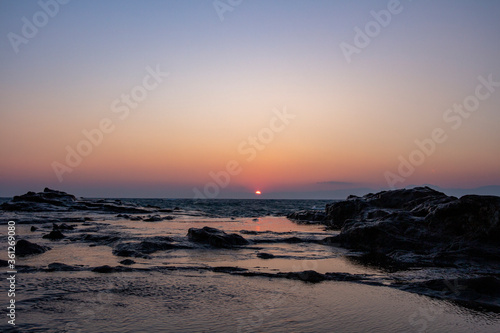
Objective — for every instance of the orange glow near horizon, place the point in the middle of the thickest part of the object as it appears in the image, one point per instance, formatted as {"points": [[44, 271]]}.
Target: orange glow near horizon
{"points": [[292, 116]]}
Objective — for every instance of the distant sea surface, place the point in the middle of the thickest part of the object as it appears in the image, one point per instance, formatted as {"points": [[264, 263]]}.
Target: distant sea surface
{"points": [[236, 207], [227, 207]]}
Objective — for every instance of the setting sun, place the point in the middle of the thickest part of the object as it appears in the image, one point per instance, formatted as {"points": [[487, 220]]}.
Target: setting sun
{"points": [[258, 192]]}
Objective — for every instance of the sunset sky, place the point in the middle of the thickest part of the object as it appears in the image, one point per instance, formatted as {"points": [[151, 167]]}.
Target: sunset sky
{"points": [[293, 98]]}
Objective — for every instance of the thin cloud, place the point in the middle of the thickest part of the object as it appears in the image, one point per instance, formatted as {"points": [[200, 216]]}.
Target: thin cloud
{"points": [[336, 183]]}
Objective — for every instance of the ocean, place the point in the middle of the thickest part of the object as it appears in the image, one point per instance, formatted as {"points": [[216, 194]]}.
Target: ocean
{"points": [[146, 272]]}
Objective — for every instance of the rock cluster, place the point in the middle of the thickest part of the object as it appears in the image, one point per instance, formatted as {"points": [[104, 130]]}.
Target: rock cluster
{"points": [[215, 237], [418, 224], [52, 200]]}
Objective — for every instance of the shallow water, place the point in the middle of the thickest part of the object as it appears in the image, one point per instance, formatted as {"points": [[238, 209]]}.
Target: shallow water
{"points": [[205, 301], [176, 292]]}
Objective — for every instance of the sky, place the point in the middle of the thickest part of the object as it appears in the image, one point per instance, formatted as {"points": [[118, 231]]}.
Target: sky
{"points": [[218, 99]]}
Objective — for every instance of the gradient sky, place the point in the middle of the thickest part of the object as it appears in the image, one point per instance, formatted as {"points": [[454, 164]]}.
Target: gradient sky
{"points": [[353, 121]]}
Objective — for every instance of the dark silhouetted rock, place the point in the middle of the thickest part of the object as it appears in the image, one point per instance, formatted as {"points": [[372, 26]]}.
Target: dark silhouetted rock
{"points": [[148, 246], [109, 269], [62, 226], [157, 218], [307, 216], [24, 248], [293, 240], [307, 276], [127, 262], [52, 200], [418, 226], [123, 251], [33, 228], [98, 239], [59, 267], [215, 237], [264, 255], [54, 235], [104, 269], [153, 218]]}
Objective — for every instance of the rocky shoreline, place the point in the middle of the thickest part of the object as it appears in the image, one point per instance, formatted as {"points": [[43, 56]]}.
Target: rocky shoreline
{"points": [[420, 227], [415, 226], [396, 231]]}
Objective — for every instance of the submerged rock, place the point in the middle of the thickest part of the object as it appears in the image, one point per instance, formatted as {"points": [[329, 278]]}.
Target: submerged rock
{"points": [[59, 267], [481, 292], [127, 262], [122, 251], [147, 246], [97, 239], [109, 269], [157, 218], [24, 248], [264, 255], [215, 237], [228, 269]]}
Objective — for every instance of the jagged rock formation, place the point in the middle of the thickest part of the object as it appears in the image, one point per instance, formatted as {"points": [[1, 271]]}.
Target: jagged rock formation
{"points": [[52, 200], [420, 225]]}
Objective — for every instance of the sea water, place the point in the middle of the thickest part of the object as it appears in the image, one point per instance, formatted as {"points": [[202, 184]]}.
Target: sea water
{"points": [[178, 290]]}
